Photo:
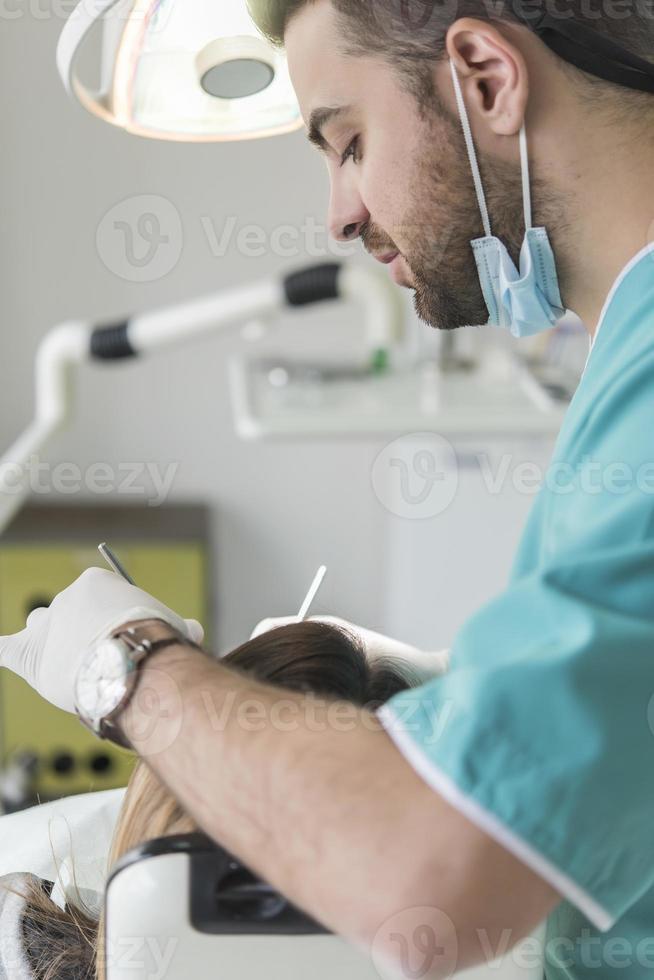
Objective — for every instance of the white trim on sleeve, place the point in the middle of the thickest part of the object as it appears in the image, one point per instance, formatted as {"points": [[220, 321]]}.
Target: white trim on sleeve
{"points": [[490, 824]]}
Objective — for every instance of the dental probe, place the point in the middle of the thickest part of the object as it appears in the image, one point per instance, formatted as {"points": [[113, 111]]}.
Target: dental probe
{"points": [[312, 593], [113, 562]]}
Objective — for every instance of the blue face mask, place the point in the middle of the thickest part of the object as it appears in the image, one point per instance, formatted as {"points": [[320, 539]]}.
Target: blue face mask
{"points": [[526, 301]]}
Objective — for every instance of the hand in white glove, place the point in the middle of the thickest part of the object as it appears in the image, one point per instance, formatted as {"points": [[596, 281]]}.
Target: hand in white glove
{"points": [[48, 652], [425, 664]]}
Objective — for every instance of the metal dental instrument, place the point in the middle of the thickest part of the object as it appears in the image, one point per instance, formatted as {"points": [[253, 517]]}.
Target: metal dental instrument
{"points": [[312, 593], [113, 562]]}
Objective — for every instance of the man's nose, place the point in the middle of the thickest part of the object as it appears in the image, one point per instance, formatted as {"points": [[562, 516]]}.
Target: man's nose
{"points": [[347, 215]]}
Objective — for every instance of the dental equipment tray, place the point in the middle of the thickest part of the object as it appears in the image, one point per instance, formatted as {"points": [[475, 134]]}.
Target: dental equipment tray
{"points": [[279, 398]]}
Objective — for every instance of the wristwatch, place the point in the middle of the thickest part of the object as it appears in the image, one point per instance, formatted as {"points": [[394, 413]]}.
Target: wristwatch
{"points": [[108, 675]]}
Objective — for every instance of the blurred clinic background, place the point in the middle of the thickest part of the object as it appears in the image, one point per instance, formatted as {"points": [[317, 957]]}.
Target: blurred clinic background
{"points": [[225, 470]]}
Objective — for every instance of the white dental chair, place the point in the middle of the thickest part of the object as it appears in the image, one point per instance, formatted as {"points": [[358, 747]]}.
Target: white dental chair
{"points": [[182, 908]]}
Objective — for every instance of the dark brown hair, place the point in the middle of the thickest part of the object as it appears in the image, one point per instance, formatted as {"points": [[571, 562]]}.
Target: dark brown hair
{"points": [[305, 657], [410, 35]]}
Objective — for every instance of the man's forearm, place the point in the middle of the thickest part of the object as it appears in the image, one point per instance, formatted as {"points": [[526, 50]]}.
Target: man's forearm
{"points": [[312, 795]]}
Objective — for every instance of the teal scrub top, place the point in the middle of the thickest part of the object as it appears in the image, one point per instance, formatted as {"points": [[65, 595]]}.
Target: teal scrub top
{"points": [[542, 732]]}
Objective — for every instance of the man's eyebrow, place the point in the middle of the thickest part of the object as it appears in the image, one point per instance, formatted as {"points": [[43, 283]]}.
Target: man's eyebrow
{"points": [[319, 119]]}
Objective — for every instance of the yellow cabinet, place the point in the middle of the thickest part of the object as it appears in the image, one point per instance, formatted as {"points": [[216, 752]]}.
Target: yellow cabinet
{"points": [[165, 553]]}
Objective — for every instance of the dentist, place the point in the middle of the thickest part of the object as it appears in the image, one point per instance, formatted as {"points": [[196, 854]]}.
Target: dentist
{"points": [[502, 166]]}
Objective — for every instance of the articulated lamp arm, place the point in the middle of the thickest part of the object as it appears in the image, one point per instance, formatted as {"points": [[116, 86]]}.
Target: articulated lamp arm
{"points": [[74, 343]]}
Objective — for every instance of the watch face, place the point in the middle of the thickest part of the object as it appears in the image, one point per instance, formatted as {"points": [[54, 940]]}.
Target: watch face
{"points": [[101, 682]]}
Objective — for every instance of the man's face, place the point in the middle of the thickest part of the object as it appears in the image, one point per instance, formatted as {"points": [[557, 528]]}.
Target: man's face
{"points": [[405, 184]]}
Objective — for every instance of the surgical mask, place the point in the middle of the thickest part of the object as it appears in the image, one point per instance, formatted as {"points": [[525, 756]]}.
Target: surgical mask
{"points": [[526, 301]]}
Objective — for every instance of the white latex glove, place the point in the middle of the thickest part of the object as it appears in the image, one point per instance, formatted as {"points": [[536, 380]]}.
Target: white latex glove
{"points": [[48, 652], [425, 664]]}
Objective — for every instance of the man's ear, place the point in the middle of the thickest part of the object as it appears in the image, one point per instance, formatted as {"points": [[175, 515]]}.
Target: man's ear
{"points": [[493, 74]]}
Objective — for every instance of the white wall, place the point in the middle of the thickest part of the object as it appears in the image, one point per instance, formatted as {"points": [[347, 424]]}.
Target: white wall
{"points": [[280, 509]]}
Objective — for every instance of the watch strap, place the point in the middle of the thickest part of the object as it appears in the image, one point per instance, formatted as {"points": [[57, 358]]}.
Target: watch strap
{"points": [[108, 728], [142, 644]]}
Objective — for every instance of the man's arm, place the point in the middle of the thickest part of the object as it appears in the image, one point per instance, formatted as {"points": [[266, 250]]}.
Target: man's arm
{"points": [[314, 796]]}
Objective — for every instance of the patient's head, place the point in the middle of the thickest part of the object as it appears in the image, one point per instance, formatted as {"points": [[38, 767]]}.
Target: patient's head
{"points": [[308, 657]]}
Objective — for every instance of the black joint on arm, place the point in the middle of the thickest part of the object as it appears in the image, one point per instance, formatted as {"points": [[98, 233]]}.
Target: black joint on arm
{"points": [[111, 342], [313, 285]]}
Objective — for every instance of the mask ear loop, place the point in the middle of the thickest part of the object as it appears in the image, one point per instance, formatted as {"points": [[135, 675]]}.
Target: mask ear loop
{"points": [[474, 166], [470, 146], [524, 165]]}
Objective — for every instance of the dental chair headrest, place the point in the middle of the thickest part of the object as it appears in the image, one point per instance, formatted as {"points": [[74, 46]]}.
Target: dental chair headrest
{"points": [[185, 906], [14, 962], [225, 897]]}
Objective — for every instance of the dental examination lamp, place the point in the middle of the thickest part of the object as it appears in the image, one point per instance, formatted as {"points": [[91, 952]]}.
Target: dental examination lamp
{"points": [[196, 71], [74, 343], [178, 70]]}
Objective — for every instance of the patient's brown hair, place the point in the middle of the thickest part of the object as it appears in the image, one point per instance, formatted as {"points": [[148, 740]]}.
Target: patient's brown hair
{"points": [[306, 657]]}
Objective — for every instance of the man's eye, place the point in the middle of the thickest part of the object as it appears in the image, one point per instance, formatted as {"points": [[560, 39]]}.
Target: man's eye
{"points": [[351, 151]]}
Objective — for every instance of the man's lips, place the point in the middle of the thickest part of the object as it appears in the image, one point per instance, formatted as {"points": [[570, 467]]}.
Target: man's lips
{"points": [[387, 258]]}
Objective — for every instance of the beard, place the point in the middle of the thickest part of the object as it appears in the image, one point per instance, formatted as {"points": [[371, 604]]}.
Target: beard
{"points": [[444, 218]]}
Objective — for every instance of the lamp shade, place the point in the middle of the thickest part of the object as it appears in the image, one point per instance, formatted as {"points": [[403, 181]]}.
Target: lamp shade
{"points": [[180, 70]]}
